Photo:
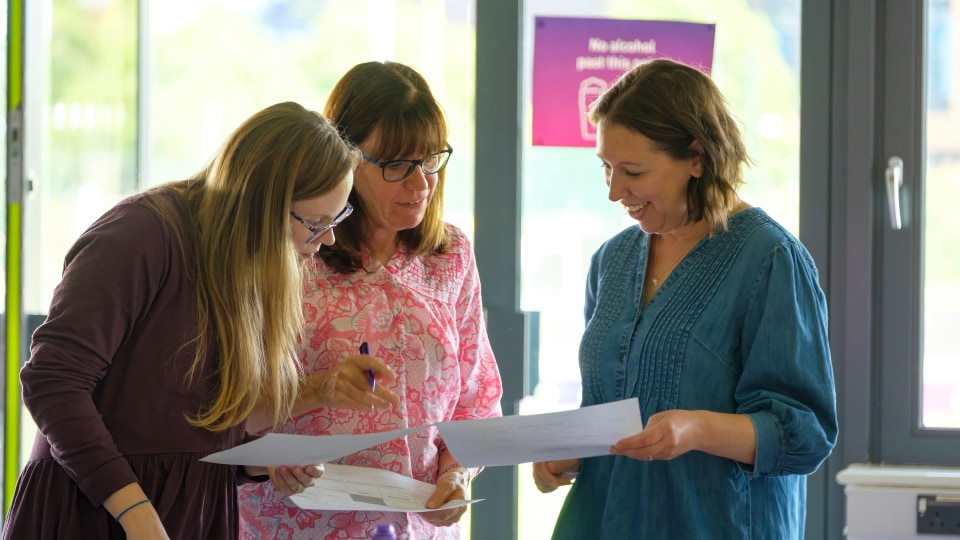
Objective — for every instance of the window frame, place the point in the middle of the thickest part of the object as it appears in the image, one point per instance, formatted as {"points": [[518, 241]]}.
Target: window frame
{"points": [[902, 110], [862, 102]]}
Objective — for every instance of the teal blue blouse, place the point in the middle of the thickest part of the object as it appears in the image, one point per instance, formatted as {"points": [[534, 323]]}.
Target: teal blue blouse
{"points": [[740, 326]]}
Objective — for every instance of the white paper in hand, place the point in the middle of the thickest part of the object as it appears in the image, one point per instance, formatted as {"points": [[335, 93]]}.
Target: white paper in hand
{"points": [[278, 449], [347, 488]]}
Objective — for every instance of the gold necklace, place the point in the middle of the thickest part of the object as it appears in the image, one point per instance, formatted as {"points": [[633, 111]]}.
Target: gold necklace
{"points": [[656, 280]]}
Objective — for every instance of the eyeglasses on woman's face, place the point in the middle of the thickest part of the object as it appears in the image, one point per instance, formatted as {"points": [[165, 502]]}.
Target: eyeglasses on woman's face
{"points": [[317, 231], [396, 170]]}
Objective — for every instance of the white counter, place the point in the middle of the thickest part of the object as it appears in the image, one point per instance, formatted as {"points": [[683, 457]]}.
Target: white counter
{"points": [[882, 499]]}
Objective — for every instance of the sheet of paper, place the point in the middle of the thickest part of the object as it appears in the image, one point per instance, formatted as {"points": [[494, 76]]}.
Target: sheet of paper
{"points": [[588, 431], [487, 442], [347, 488], [275, 449]]}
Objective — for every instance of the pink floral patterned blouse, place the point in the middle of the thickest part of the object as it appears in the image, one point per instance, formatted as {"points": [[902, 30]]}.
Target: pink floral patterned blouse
{"points": [[421, 316]]}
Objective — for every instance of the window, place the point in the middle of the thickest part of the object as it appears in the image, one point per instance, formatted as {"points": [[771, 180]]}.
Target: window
{"points": [[940, 393], [212, 63], [80, 147], [114, 110], [917, 279]]}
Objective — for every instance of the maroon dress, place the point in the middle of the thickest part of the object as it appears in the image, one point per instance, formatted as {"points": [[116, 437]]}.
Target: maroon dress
{"points": [[106, 384]]}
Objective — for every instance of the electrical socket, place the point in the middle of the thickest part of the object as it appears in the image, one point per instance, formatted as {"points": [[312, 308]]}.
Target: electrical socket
{"points": [[938, 514]]}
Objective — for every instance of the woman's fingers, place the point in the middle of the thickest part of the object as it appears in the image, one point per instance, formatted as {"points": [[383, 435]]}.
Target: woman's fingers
{"points": [[363, 363], [444, 518], [294, 479], [448, 489], [309, 474], [545, 480], [348, 385], [353, 391], [356, 371], [549, 475]]}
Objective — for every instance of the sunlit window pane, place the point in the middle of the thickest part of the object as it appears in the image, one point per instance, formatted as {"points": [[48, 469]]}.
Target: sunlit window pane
{"points": [[941, 274], [212, 63]]}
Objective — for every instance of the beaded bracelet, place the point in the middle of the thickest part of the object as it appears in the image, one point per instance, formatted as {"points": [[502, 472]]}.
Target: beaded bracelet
{"points": [[131, 507]]}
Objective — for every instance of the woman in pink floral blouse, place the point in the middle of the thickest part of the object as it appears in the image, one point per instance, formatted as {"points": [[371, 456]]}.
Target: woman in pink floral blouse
{"points": [[404, 281]]}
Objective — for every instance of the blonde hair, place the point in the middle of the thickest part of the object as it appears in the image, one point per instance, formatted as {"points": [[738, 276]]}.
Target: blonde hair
{"points": [[395, 102], [248, 275], [675, 105]]}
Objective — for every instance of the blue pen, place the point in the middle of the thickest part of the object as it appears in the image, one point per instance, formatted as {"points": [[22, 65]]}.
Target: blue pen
{"points": [[364, 349]]}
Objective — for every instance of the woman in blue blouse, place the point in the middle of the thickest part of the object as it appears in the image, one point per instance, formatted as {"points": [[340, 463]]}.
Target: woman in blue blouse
{"points": [[710, 313]]}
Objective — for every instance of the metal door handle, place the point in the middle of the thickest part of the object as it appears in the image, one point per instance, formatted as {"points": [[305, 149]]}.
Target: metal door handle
{"points": [[894, 183]]}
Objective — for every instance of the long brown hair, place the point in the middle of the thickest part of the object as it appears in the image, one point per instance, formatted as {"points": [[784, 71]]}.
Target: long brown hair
{"points": [[247, 268], [395, 102], [674, 105]]}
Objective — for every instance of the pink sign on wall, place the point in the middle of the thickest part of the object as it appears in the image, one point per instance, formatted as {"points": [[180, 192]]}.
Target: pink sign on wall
{"points": [[575, 60]]}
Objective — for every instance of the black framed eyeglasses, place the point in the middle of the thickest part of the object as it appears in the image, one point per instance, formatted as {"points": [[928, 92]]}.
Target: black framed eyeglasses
{"points": [[317, 231], [396, 170]]}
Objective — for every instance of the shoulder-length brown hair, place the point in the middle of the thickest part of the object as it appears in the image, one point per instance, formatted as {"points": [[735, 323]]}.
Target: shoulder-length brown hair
{"points": [[246, 265], [394, 102], [676, 106]]}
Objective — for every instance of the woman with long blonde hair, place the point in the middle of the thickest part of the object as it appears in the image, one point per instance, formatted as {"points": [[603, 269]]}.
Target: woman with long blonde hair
{"points": [[178, 317]]}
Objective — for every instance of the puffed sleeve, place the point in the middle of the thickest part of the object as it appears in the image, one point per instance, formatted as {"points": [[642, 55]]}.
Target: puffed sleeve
{"points": [[110, 276], [787, 386], [480, 384]]}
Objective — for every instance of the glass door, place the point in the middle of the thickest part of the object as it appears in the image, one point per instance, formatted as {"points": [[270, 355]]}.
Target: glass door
{"points": [[80, 145]]}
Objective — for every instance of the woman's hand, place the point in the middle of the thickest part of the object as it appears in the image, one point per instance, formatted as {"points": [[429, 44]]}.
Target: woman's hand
{"points": [[293, 480], [669, 434], [548, 475], [348, 385], [451, 485]]}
